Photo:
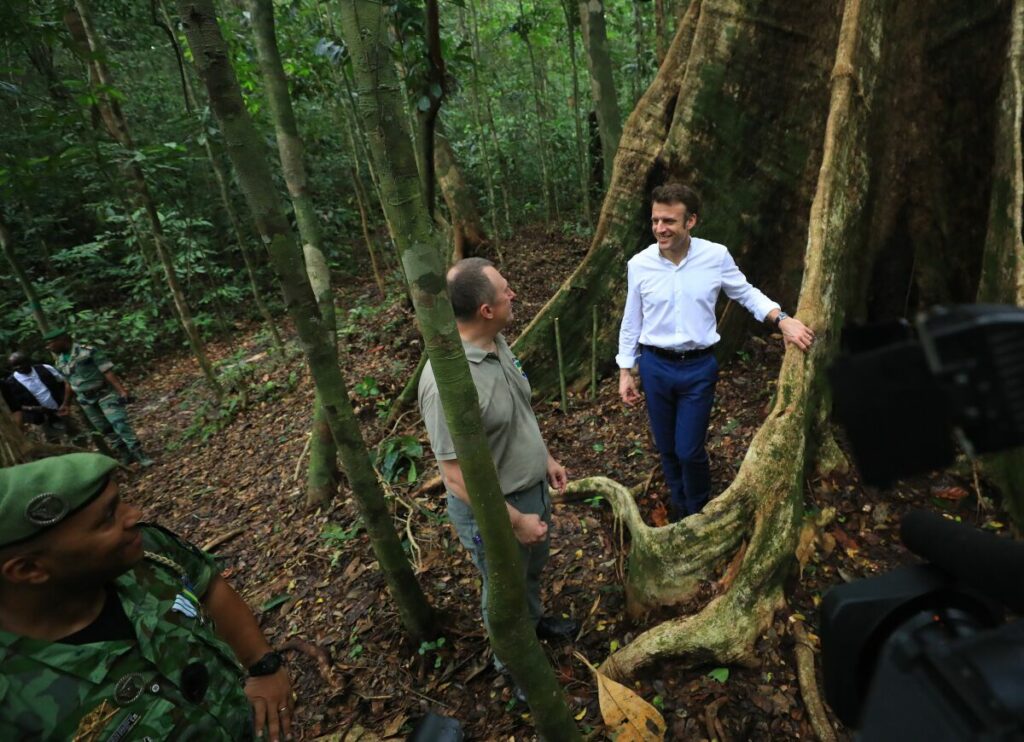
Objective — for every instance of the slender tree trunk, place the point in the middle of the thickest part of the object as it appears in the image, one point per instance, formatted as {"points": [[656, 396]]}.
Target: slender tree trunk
{"points": [[602, 82], [246, 150], [357, 185], [582, 162], [321, 479], [1002, 274], [381, 107], [468, 232], [479, 132], [79, 22], [23, 280], [213, 155], [540, 128], [661, 34], [639, 63], [480, 94]]}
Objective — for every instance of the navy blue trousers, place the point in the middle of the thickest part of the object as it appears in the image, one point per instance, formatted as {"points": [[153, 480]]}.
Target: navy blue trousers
{"points": [[679, 398]]}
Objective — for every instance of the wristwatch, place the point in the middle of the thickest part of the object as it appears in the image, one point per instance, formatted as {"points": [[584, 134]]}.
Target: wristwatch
{"points": [[779, 317], [268, 664]]}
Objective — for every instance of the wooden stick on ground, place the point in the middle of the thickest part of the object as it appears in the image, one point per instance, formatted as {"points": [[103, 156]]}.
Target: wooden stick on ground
{"points": [[216, 541]]}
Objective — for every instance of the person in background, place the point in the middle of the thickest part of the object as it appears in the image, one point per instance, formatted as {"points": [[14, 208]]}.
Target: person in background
{"points": [[90, 379]]}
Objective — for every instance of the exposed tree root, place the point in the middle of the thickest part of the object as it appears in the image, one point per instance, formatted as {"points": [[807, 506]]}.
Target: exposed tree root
{"points": [[816, 712], [319, 654]]}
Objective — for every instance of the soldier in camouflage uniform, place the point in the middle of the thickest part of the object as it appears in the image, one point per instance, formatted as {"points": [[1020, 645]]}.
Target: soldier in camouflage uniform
{"points": [[89, 377], [114, 629]]}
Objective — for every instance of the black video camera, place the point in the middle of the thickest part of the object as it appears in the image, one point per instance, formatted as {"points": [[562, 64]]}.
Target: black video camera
{"points": [[923, 652]]}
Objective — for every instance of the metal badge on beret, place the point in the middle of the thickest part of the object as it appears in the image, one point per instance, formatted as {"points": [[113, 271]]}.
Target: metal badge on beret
{"points": [[128, 688], [46, 509]]}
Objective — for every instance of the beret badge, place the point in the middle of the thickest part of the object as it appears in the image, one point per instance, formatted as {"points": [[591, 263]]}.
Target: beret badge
{"points": [[46, 509]]}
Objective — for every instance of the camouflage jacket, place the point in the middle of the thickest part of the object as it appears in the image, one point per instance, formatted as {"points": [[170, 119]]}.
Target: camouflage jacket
{"points": [[152, 687], [83, 366]]}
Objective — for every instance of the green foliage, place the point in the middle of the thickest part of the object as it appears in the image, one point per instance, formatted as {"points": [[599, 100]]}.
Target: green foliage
{"points": [[80, 237], [397, 458], [367, 387], [435, 647], [721, 674]]}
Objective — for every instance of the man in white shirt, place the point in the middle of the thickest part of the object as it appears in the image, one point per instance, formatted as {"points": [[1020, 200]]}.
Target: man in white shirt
{"points": [[672, 287], [35, 394]]}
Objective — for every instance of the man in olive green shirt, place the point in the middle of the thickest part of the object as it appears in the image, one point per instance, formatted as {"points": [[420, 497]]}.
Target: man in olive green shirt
{"points": [[482, 301], [118, 630]]}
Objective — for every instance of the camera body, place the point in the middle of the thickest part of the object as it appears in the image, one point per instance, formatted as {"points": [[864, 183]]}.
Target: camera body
{"points": [[923, 652]]}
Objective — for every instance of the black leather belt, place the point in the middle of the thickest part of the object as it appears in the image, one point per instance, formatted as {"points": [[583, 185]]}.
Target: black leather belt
{"points": [[678, 355]]}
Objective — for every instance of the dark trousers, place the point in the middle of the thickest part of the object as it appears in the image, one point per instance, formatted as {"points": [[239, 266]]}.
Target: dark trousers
{"points": [[679, 398]]}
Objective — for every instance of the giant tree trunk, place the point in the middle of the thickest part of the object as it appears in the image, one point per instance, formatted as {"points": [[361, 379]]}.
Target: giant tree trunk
{"points": [[467, 231], [864, 221], [764, 504], [381, 108], [27, 288], [698, 122], [246, 149], [83, 32], [321, 475], [602, 83], [1002, 276]]}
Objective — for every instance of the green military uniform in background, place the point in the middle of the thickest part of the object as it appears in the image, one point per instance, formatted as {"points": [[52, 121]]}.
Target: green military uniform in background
{"points": [[173, 679], [83, 367]]}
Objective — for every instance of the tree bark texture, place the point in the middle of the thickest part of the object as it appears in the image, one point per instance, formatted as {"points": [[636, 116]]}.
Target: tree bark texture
{"points": [[1002, 273], [467, 229], [248, 157], [763, 506], [321, 476], [602, 82], [381, 109], [27, 288], [84, 33]]}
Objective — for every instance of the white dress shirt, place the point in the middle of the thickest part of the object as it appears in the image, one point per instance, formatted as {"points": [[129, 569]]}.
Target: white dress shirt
{"points": [[34, 384], [673, 306]]}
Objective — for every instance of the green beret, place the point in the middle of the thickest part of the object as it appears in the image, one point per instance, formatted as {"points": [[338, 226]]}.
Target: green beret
{"points": [[39, 495], [55, 333]]}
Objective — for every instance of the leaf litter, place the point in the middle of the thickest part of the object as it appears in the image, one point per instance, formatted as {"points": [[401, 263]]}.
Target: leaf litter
{"points": [[238, 483]]}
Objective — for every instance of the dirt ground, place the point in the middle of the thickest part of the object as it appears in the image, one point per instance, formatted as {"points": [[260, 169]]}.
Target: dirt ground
{"points": [[235, 480]]}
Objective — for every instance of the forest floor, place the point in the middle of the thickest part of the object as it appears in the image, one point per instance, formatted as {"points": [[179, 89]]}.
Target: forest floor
{"points": [[232, 480]]}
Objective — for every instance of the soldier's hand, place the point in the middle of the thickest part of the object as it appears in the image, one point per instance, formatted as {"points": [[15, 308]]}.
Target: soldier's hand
{"points": [[271, 699], [63, 411], [530, 529]]}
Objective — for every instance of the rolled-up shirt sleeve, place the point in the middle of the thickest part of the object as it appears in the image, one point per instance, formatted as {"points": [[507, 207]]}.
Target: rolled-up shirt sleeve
{"points": [[739, 289], [632, 321]]}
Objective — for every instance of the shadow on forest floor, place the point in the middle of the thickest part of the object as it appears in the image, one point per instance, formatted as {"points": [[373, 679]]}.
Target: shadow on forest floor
{"points": [[313, 581]]}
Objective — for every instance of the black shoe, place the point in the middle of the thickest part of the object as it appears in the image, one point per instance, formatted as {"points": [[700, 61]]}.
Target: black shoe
{"points": [[553, 627]]}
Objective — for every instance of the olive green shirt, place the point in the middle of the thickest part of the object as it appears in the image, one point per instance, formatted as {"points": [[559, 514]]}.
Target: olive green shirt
{"points": [[83, 367], [174, 679], [517, 447]]}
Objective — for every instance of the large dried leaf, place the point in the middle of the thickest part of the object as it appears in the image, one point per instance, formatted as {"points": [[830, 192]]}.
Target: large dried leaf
{"points": [[629, 717]]}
